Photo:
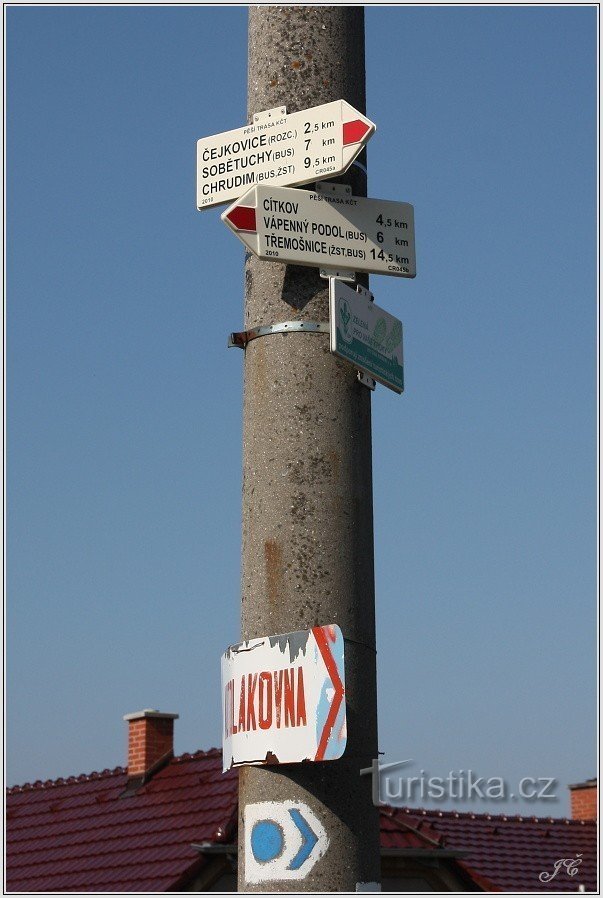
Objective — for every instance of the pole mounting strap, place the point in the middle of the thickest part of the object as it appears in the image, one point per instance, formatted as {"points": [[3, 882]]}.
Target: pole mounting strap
{"points": [[242, 338]]}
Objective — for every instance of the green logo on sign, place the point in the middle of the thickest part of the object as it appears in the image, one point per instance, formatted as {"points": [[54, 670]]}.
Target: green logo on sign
{"points": [[344, 314], [387, 342], [380, 330], [394, 338]]}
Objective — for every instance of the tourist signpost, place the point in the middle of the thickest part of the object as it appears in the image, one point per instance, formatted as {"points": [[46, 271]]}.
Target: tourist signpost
{"points": [[320, 142], [283, 699], [326, 228], [307, 470]]}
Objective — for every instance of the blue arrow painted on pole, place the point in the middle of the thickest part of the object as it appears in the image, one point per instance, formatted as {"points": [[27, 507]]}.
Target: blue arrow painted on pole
{"points": [[308, 835]]}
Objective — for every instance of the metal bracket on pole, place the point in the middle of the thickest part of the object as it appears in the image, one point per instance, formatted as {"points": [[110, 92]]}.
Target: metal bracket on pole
{"points": [[267, 114], [330, 189], [366, 381], [339, 275], [363, 291], [360, 166], [242, 338], [362, 377]]}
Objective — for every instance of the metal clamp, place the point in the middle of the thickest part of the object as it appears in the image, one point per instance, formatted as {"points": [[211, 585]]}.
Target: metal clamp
{"points": [[242, 338], [360, 166], [338, 274], [330, 188], [266, 114], [366, 380]]}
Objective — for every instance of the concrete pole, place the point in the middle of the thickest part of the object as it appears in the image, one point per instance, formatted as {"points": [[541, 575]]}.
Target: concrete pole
{"points": [[307, 479]]}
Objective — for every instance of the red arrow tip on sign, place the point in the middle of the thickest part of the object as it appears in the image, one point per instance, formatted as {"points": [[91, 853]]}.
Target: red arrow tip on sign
{"points": [[353, 132], [320, 635], [243, 218]]}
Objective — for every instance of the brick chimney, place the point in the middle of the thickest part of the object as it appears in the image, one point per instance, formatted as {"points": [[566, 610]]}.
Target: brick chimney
{"points": [[584, 800], [150, 742]]}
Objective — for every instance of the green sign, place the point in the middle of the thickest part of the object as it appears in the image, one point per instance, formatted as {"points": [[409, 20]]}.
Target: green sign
{"points": [[365, 335]]}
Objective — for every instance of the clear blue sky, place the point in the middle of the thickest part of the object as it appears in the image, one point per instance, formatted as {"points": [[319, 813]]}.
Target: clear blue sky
{"points": [[124, 404]]}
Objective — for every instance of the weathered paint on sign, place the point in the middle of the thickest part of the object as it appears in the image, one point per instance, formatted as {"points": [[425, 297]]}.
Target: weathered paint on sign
{"points": [[366, 335], [283, 840], [283, 699], [299, 148], [325, 229]]}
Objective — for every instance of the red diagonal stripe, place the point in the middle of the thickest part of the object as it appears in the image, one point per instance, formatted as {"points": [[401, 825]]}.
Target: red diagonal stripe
{"points": [[327, 657], [353, 132], [243, 218]]}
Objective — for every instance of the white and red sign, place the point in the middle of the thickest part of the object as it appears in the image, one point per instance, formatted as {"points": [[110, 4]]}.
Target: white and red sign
{"points": [[325, 228], [283, 699], [316, 143]]}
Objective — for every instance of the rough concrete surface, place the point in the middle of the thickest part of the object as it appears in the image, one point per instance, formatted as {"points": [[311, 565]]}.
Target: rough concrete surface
{"points": [[307, 479]]}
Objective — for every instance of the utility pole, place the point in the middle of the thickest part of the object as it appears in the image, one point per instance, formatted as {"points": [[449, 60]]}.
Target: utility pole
{"points": [[307, 477]]}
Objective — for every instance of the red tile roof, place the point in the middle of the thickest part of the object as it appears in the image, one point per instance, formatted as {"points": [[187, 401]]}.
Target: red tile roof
{"points": [[512, 851], [83, 834], [79, 835]]}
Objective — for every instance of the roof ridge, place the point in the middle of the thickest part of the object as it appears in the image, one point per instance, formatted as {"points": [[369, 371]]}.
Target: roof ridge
{"points": [[485, 815], [95, 775], [66, 780], [200, 753]]}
